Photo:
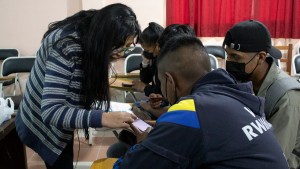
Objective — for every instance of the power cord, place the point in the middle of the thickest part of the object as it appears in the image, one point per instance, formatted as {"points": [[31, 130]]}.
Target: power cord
{"points": [[78, 149]]}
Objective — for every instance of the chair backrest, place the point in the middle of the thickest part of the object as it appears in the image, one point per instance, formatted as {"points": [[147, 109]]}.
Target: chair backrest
{"points": [[5, 53], [296, 64], [132, 63], [17, 65], [213, 61], [217, 51], [288, 58], [135, 50]]}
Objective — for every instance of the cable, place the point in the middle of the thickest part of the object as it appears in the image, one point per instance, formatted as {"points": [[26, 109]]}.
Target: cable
{"points": [[78, 150]]}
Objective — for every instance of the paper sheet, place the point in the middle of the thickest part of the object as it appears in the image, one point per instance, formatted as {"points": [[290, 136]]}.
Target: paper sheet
{"points": [[126, 107]]}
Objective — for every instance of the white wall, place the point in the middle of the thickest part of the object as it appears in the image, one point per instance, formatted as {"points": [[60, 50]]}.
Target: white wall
{"points": [[23, 23], [145, 10]]}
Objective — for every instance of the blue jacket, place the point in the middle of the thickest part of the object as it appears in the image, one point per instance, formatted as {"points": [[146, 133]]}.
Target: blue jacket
{"points": [[221, 124]]}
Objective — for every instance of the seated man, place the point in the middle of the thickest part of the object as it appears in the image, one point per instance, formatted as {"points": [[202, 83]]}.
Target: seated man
{"points": [[247, 44], [213, 121]]}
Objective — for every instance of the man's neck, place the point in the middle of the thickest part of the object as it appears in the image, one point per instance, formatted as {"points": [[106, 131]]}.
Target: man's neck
{"points": [[260, 76]]}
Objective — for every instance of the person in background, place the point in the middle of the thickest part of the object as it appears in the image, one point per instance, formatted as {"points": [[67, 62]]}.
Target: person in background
{"points": [[148, 83], [148, 72], [68, 87], [157, 104], [247, 45], [213, 122]]}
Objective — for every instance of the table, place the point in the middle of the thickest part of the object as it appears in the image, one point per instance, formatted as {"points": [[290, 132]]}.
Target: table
{"points": [[4, 79], [12, 150], [129, 75], [116, 83]]}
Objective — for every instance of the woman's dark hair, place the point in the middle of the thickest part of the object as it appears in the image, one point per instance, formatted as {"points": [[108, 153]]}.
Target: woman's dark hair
{"points": [[151, 34], [101, 31], [174, 30]]}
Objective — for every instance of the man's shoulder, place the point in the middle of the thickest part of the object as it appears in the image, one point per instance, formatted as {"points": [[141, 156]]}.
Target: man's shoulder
{"points": [[182, 113]]}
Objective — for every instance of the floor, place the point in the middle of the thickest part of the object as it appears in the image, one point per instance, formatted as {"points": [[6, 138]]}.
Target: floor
{"points": [[87, 153]]}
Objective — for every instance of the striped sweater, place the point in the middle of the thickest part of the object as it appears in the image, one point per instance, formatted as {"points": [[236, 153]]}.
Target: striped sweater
{"points": [[52, 106]]}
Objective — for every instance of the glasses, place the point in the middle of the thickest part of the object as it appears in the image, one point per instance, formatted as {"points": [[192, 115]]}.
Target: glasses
{"points": [[122, 49]]}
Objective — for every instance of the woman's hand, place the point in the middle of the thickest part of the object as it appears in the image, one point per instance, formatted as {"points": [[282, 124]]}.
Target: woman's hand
{"points": [[138, 85], [117, 119], [140, 136]]}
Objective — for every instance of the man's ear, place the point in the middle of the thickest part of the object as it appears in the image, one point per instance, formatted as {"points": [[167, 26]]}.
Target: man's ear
{"points": [[262, 57], [169, 78]]}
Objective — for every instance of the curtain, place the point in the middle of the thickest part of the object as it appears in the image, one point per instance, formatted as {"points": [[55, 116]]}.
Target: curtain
{"points": [[282, 17], [212, 18]]}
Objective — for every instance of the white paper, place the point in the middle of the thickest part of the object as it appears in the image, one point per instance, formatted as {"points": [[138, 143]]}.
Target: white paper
{"points": [[126, 107]]}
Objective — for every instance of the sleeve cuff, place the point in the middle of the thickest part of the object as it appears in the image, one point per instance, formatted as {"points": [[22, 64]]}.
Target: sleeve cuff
{"points": [[96, 118]]}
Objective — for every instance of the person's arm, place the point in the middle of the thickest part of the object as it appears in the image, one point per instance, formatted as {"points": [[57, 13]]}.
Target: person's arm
{"points": [[146, 73], [160, 150], [175, 142], [150, 89], [285, 121], [58, 104]]}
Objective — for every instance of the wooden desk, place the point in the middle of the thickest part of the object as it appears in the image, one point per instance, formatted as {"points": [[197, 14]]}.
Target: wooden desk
{"points": [[129, 75], [116, 83], [12, 150], [6, 78]]}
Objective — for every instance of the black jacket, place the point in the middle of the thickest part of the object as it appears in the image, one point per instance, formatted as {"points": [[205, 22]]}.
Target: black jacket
{"points": [[220, 125], [149, 75]]}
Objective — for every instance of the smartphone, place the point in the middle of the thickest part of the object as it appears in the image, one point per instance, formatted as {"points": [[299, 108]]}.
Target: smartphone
{"points": [[127, 84]]}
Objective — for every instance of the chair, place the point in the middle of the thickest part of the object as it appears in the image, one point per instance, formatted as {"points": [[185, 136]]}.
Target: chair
{"points": [[217, 51], [6, 53], [135, 50], [288, 58], [132, 63], [16, 65], [213, 61], [296, 64], [104, 163]]}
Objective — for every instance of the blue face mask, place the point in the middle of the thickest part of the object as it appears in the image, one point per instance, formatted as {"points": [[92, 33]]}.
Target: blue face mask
{"points": [[238, 70], [148, 55]]}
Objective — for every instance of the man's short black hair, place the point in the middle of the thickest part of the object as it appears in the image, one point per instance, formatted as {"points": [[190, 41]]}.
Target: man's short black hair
{"points": [[177, 42], [184, 55]]}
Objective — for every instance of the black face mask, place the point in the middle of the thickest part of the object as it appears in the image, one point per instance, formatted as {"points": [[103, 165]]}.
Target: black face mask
{"points": [[148, 55], [238, 70]]}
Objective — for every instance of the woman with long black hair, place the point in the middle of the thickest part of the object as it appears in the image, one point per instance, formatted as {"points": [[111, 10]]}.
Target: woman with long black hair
{"points": [[68, 87]]}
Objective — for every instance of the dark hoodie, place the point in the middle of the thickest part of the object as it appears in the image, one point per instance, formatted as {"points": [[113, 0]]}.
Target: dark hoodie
{"points": [[219, 125]]}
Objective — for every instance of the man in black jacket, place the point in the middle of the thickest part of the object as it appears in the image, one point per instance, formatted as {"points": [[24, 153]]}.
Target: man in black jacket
{"points": [[213, 121]]}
